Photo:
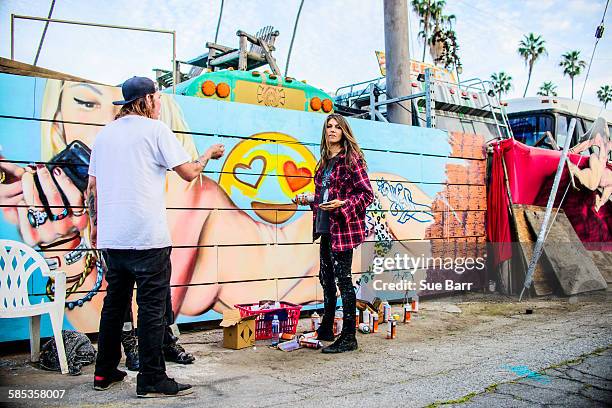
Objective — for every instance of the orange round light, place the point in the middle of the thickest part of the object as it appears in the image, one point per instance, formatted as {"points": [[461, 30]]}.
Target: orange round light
{"points": [[223, 90], [315, 103], [208, 88], [327, 105]]}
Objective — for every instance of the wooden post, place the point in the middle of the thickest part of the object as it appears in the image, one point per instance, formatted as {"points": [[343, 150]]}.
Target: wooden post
{"points": [[397, 59], [242, 59]]}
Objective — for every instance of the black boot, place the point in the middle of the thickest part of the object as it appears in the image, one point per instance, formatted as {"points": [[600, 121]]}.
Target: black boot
{"points": [[325, 332], [346, 342], [130, 347], [176, 353]]}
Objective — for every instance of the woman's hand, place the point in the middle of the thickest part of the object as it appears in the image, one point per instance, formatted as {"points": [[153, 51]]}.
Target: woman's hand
{"points": [[35, 224], [331, 205]]}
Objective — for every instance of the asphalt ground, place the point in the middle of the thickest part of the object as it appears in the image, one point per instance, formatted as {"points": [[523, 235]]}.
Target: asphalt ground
{"points": [[470, 350]]}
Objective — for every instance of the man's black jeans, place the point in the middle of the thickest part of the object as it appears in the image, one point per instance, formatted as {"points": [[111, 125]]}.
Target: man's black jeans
{"points": [[168, 335], [150, 269]]}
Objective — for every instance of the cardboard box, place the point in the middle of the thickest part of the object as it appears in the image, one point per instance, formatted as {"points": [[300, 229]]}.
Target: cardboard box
{"points": [[237, 332]]}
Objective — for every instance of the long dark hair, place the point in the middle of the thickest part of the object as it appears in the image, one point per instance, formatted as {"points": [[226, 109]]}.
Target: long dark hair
{"points": [[349, 144], [141, 107]]}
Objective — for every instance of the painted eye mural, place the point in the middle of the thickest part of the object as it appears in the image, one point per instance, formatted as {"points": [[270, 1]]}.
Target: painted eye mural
{"points": [[263, 173]]}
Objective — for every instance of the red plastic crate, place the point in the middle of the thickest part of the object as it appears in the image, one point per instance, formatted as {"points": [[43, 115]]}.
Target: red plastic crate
{"points": [[263, 322]]}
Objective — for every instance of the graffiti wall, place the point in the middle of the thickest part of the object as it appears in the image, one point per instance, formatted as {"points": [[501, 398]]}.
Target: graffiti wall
{"points": [[237, 237]]}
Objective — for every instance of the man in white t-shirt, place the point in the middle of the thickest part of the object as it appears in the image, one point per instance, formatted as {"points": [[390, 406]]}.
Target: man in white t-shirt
{"points": [[126, 198]]}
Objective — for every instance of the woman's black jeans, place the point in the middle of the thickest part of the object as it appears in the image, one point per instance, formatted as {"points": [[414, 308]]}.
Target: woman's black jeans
{"points": [[150, 269], [336, 266]]}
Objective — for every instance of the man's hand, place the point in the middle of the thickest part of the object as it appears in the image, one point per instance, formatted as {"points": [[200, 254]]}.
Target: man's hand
{"points": [[190, 170], [215, 152]]}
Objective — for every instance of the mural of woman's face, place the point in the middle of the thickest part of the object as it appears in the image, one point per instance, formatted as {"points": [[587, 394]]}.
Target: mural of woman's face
{"points": [[87, 103]]}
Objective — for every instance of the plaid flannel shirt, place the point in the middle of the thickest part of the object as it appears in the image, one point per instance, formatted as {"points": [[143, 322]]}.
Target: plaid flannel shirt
{"points": [[352, 185]]}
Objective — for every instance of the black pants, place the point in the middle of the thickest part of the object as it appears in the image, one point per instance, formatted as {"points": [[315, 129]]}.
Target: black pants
{"points": [[150, 269], [169, 337], [336, 267]]}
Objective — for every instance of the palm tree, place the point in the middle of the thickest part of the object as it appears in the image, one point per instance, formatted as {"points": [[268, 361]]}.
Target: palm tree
{"points": [[443, 41], [502, 83], [604, 94], [429, 11], [531, 47], [548, 89], [572, 65], [444, 49], [297, 19], [219, 21]]}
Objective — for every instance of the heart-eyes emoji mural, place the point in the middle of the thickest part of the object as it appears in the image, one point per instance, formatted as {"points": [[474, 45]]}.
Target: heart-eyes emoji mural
{"points": [[264, 172]]}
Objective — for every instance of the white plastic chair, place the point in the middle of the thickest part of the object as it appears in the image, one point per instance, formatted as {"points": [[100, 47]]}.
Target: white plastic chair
{"points": [[17, 262]]}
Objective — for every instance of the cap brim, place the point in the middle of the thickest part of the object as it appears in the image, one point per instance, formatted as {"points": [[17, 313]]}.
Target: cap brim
{"points": [[124, 102]]}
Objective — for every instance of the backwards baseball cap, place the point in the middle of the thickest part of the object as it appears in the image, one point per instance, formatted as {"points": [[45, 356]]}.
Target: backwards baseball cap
{"points": [[134, 88]]}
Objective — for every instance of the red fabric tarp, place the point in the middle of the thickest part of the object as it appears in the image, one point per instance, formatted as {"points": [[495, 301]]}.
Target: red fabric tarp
{"points": [[531, 172]]}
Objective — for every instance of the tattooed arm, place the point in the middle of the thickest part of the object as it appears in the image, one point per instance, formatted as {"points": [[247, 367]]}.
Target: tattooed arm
{"points": [[92, 204]]}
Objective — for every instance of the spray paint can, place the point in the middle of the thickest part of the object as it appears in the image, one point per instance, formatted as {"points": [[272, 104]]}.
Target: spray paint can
{"points": [[308, 197], [311, 343], [289, 345], [391, 329], [364, 328], [315, 321], [365, 317], [356, 318], [375, 323], [386, 312], [338, 321], [311, 335], [415, 304], [407, 311], [287, 336]]}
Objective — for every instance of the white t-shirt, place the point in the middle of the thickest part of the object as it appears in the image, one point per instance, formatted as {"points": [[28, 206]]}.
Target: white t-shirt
{"points": [[129, 159]]}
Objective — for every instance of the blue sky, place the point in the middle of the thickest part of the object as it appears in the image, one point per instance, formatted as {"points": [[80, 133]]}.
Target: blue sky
{"points": [[335, 42]]}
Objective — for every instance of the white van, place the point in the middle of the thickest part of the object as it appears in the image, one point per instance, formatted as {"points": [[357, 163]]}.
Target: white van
{"points": [[530, 118]]}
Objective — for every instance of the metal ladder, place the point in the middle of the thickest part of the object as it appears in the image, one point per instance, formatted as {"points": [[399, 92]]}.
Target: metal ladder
{"points": [[493, 103]]}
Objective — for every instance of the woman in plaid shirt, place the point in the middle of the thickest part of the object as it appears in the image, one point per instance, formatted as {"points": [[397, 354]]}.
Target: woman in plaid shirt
{"points": [[342, 194]]}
